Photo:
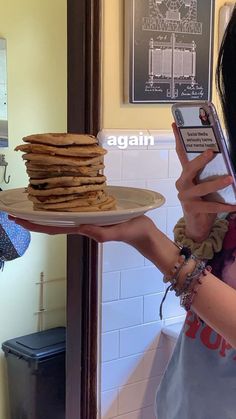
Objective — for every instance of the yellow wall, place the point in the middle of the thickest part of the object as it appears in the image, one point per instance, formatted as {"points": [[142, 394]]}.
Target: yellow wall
{"points": [[36, 40], [115, 113]]}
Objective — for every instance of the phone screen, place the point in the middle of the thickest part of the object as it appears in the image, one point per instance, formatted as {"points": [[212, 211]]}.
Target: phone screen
{"points": [[196, 129], [197, 140]]}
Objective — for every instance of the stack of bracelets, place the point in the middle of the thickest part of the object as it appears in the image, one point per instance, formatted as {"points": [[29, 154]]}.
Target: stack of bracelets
{"points": [[189, 288]]}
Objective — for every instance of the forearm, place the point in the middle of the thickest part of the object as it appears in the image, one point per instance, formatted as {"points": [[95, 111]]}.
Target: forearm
{"points": [[214, 302]]}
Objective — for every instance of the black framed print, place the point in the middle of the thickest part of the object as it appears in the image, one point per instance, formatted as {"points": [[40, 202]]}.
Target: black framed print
{"points": [[168, 50]]}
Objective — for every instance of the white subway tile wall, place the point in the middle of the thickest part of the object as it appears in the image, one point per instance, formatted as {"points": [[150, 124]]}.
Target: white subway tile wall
{"points": [[134, 352], [143, 164], [139, 339], [111, 286], [110, 346], [119, 256]]}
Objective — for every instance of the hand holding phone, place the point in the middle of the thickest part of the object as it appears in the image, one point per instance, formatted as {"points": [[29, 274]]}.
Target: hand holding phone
{"points": [[199, 129]]}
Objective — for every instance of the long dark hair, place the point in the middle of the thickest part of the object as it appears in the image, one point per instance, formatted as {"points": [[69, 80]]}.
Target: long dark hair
{"points": [[220, 260], [226, 82]]}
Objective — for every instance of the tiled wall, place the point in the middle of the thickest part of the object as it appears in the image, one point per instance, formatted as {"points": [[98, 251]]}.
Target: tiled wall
{"points": [[134, 352]]}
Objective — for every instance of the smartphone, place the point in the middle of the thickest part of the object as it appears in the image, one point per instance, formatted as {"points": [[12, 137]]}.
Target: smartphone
{"points": [[200, 129]]}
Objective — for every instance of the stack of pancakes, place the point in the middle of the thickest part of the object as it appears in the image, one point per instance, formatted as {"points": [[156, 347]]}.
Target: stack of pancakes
{"points": [[65, 173]]}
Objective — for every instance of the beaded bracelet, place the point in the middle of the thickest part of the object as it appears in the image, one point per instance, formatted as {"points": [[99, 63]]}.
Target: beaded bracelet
{"points": [[191, 278], [187, 296], [188, 291], [184, 256], [176, 270]]}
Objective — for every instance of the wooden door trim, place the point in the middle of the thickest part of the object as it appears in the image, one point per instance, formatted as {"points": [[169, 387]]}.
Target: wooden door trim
{"points": [[84, 75]]}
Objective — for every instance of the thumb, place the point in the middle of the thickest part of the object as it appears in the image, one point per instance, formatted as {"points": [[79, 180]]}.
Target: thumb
{"points": [[99, 234]]}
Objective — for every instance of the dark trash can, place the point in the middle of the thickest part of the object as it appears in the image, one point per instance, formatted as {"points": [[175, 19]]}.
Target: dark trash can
{"points": [[36, 375]]}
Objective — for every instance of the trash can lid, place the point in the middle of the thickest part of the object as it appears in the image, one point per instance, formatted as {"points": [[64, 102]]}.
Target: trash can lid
{"points": [[37, 346]]}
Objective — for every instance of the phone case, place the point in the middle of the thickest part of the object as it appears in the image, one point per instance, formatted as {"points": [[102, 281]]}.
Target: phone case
{"points": [[199, 128]]}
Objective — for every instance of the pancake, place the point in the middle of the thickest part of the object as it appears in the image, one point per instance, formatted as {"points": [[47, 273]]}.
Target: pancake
{"points": [[65, 190], [61, 139], [45, 175], [79, 151], [105, 206], [66, 181], [88, 197], [74, 203], [60, 168], [48, 160]]}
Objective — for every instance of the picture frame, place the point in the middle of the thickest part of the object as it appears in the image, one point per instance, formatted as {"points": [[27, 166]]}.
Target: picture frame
{"points": [[168, 50]]}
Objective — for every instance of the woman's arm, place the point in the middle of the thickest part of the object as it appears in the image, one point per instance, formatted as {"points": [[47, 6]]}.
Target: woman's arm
{"points": [[199, 214], [214, 302]]}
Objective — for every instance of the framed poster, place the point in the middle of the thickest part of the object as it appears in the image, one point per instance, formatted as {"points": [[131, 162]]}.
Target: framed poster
{"points": [[168, 50]]}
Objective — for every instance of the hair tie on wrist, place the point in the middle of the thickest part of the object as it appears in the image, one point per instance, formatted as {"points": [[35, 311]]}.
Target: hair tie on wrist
{"points": [[207, 248], [186, 252]]}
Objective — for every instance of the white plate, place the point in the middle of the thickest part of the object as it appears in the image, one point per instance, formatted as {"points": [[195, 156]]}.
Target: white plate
{"points": [[131, 202]]}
